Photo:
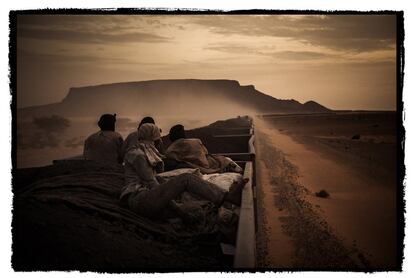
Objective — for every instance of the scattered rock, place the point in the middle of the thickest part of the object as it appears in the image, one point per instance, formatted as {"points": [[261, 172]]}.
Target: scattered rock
{"points": [[364, 260], [322, 194], [356, 137]]}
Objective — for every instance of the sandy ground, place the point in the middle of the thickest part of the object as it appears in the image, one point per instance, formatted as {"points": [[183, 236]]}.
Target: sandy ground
{"points": [[356, 225]]}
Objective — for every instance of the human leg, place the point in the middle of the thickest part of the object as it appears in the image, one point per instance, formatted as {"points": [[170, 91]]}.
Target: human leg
{"points": [[151, 202], [209, 191]]}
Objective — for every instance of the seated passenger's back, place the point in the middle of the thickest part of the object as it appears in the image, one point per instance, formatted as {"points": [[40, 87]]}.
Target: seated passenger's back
{"points": [[189, 150], [104, 146]]}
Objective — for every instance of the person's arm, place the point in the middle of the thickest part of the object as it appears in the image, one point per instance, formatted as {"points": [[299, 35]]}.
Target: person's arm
{"points": [[125, 144], [203, 147], [85, 147], [160, 146], [145, 171], [120, 150], [159, 168]]}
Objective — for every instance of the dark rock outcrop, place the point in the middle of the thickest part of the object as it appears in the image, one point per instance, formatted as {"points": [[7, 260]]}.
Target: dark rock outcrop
{"points": [[171, 97]]}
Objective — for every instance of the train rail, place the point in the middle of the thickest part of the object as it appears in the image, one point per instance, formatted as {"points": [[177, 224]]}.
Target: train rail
{"points": [[245, 249]]}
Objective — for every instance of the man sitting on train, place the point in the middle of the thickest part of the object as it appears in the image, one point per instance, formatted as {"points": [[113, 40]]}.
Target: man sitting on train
{"points": [[104, 146], [145, 195], [191, 152]]}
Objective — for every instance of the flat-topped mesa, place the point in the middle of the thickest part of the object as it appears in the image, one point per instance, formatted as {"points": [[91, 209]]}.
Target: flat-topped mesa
{"points": [[173, 97], [153, 86]]}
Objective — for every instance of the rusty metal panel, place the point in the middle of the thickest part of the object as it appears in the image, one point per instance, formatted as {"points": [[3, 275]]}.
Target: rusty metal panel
{"points": [[245, 256]]}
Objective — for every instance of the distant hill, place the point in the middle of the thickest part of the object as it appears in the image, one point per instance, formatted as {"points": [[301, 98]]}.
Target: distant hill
{"points": [[187, 97]]}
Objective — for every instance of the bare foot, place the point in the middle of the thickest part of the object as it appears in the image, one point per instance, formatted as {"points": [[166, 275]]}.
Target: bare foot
{"points": [[235, 192]]}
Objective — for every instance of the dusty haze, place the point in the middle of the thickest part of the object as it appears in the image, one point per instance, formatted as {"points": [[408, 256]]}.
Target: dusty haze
{"points": [[341, 61], [39, 145]]}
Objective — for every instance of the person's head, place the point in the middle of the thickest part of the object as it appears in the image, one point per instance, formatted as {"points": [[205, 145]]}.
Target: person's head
{"points": [[149, 132], [146, 120], [107, 122], [176, 132]]}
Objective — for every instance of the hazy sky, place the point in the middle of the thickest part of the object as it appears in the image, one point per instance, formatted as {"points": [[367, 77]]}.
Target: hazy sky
{"points": [[342, 62]]}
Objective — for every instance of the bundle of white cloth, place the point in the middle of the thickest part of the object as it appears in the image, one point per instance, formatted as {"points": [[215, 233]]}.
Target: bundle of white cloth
{"points": [[223, 180]]}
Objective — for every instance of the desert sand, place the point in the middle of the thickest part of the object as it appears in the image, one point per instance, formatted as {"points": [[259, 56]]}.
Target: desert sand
{"points": [[352, 156]]}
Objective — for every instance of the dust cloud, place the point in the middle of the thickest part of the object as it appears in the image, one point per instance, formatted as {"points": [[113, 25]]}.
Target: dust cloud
{"points": [[44, 139]]}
